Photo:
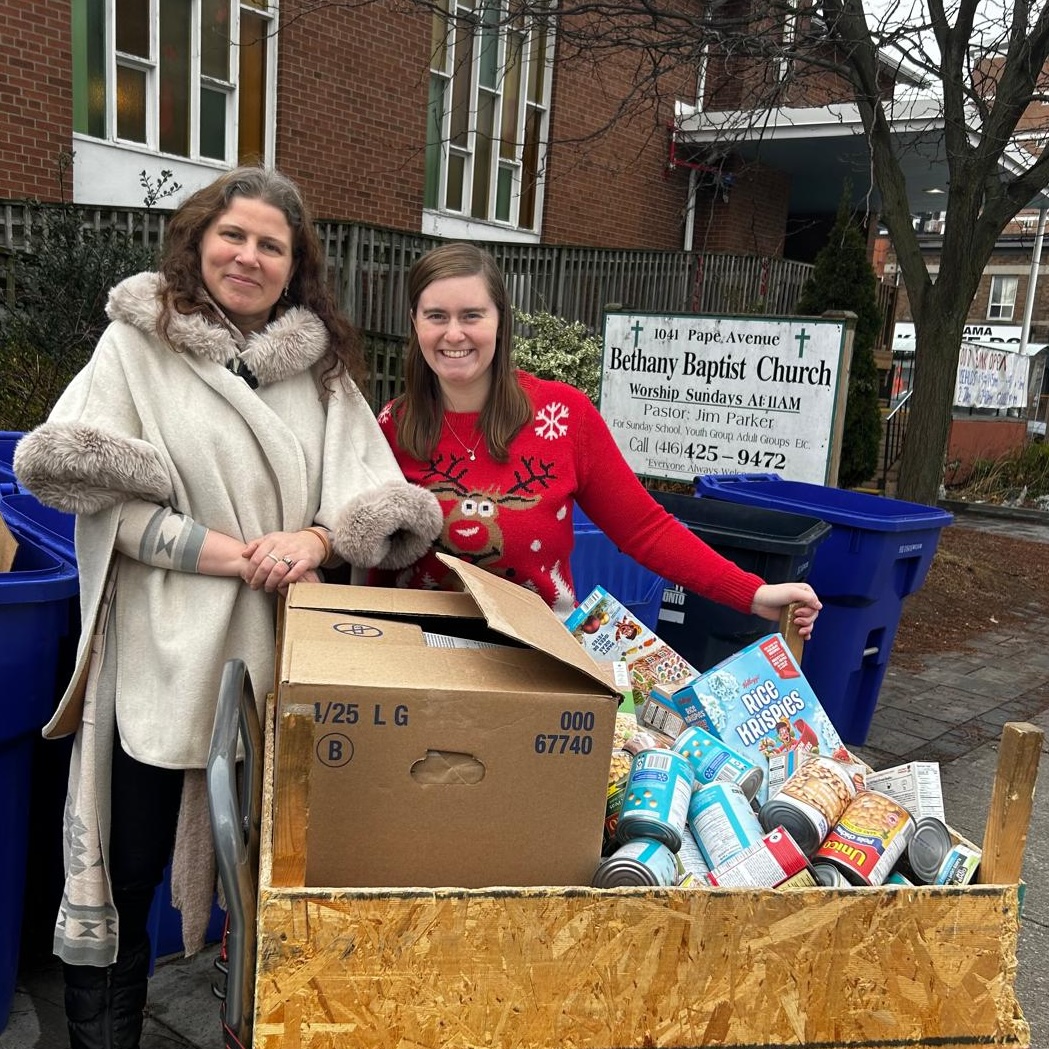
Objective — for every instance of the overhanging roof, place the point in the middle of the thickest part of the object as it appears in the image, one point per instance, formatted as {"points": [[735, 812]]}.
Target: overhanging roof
{"points": [[821, 148]]}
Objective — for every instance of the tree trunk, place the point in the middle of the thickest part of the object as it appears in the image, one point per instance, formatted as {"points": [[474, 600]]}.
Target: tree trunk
{"points": [[938, 340]]}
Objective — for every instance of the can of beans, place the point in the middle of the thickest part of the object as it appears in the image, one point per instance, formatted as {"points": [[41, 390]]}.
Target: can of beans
{"points": [[642, 861], [723, 822], [810, 802], [655, 804], [869, 839], [714, 762], [934, 859]]}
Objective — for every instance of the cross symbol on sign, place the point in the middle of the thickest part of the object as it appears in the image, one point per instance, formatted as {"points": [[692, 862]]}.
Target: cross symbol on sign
{"points": [[802, 338], [637, 330]]}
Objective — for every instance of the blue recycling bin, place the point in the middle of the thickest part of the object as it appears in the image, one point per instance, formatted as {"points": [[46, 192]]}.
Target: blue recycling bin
{"points": [[878, 552], [597, 561], [35, 597], [775, 545], [8, 440], [51, 530]]}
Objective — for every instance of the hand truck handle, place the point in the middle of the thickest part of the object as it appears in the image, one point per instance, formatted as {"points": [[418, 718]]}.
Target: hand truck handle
{"points": [[235, 822]]}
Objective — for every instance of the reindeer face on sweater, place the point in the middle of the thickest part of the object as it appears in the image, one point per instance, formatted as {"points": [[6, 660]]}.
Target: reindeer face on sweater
{"points": [[472, 527], [471, 531]]}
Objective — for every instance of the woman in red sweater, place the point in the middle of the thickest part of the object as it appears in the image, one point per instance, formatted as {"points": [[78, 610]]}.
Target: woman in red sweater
{"points": [[507, 455]]}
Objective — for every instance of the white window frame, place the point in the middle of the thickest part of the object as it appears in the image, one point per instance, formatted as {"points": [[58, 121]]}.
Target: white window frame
{"points": [[106, 171], [444, 222], [997, 303]]}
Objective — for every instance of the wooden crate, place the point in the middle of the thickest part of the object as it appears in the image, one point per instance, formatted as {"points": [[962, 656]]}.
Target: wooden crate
{"points": [[586, 968]]}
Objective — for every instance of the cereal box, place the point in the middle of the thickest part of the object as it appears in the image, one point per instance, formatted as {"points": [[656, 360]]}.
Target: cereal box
{"points": [[759, 703], [608, 630]]}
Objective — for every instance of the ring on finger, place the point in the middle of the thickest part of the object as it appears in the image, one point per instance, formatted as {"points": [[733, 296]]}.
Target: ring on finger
{"points": [[288, 561], [273, 557]]}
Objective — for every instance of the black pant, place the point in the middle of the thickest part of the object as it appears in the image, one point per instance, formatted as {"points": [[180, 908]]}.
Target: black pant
{"points": [[144, 816], [145, 804]]}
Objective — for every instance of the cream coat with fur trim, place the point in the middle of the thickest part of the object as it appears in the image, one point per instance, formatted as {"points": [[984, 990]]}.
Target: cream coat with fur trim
{"points": [[175, 426]]}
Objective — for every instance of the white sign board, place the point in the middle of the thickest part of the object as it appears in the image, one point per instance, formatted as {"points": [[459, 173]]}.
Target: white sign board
{"points": [[903, 338], [991, 378], [687, 395]]}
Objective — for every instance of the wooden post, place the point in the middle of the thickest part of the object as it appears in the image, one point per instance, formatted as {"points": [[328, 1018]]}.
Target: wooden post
{"points": [[291, 791], [795, 642], [1012, 799]]}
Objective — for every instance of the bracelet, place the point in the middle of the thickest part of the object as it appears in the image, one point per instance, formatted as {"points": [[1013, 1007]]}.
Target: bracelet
{"points": [[322, 535]]}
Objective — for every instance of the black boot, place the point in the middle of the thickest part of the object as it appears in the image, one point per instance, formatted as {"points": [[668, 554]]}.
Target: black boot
{"points": [[87, 997], [128, 981]]}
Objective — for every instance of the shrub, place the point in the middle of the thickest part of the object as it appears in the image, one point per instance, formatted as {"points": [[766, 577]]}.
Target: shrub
{"points": [[553, 348], [1022, 477], [843, 279], [57, 292], [48, 331]]}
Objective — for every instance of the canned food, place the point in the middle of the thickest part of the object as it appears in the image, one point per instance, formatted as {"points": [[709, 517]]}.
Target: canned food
{"points": [[690, 859], [870, 837], [828, 875], [712, 761], [642, 861], [723, 822], [655, 804], [810, 802], [896, 878], [934, 859]]}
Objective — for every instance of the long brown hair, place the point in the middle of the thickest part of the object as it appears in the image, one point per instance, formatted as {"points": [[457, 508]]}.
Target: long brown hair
{"points": [[419, 411], [307, 287]]}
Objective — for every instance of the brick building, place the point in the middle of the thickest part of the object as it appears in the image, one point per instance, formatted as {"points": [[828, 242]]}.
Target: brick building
{"points": [[382, 114]]}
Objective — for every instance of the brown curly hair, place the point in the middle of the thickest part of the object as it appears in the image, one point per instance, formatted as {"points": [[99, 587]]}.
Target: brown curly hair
{"points": [[185, 291]]}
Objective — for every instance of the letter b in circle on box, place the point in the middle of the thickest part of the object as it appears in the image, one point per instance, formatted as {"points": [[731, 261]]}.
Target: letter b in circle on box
{"points": [[334, 750]]}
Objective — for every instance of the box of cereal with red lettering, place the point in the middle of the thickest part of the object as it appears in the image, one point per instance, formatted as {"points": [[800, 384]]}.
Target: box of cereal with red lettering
{"points": [[760, 705]]}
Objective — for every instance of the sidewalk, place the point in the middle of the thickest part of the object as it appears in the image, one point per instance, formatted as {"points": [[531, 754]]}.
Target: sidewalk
{"points": [[951, 712]]}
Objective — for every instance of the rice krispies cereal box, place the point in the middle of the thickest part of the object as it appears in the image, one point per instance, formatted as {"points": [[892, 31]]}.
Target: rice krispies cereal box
{"points": [[759, 703]]}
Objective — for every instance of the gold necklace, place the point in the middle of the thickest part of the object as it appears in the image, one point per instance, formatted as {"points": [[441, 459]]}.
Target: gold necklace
{"points": [[471, 452]]}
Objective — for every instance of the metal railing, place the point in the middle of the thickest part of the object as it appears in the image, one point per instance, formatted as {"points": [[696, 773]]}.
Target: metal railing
{"points": [[895, 431]]}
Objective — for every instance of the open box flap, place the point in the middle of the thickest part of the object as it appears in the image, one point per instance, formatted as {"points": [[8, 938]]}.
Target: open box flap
{"points": [[523, 615]]}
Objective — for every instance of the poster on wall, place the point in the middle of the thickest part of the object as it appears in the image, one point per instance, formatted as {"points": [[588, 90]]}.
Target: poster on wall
{"points": [[687, 395], [991, 378]]}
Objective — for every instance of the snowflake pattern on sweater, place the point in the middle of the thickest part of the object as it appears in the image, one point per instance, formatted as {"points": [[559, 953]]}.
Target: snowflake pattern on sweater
{"points": [[515, 518]]}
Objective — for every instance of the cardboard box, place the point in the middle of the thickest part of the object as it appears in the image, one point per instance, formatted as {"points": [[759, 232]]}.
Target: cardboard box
{"points": [[435, 766]]}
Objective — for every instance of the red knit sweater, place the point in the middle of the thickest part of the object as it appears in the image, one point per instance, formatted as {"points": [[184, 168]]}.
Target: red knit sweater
{"points": [[515, 518]]}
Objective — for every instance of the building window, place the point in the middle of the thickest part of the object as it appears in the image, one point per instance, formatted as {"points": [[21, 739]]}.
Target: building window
{"points": [[183, 78], [1003, 298], [487, 124]]}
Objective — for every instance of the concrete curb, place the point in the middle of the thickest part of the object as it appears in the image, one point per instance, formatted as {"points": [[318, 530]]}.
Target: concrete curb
{"points": [[961, 508]]}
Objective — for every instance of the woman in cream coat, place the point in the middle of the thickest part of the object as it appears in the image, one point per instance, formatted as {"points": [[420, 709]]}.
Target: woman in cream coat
{"points": [[215, 449]]}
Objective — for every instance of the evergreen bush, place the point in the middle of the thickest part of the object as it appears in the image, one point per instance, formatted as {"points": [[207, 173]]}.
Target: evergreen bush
{"points": [[553, 348], [843, 279]]}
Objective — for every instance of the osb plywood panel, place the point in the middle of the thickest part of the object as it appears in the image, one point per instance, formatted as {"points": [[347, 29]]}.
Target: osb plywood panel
{"points": [[617, 968]]}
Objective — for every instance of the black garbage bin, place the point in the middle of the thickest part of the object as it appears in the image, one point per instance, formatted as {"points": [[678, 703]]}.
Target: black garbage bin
{"points": [[775, 545]]}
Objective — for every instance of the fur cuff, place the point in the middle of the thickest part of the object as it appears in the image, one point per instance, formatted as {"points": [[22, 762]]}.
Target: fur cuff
{"points": [[81, 469], [390, 527]]}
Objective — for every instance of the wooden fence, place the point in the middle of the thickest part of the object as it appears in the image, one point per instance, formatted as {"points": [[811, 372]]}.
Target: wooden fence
{"points": [[369, 268]]}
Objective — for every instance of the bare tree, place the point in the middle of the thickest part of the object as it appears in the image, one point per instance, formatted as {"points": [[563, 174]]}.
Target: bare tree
{"points": [[969, 77]]}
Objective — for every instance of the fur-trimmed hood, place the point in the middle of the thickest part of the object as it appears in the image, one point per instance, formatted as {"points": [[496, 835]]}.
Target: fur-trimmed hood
{"points": [[288, 345]]}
